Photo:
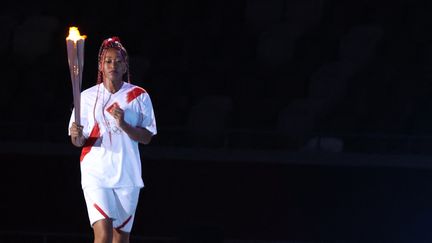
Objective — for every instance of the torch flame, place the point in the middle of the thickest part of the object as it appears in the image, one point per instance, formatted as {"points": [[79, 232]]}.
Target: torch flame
{"points": [[74, 35]]}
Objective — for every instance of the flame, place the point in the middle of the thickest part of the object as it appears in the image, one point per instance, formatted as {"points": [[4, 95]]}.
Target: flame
{"points": [[74, 34]]}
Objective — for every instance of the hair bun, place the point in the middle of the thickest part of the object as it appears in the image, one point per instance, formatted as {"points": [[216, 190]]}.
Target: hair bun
{"points": [[115, 39], [110, 42]]}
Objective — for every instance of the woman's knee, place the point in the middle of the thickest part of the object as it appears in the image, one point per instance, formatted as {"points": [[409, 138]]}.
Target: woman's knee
{"points": [[103, 231]]}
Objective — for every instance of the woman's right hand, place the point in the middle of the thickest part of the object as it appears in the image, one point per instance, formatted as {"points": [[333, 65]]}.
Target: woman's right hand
{"points": [[76, 132]]}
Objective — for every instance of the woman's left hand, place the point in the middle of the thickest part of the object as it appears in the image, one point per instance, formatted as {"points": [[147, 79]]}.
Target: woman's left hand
{"points": [[118, 115]]}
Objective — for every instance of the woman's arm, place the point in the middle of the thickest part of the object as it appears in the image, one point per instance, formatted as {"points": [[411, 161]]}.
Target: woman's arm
{"points": [[139, 134], [76, 134]]}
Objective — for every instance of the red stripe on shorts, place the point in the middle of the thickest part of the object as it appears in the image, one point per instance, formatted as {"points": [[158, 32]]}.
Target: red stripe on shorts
{"points": [[100, 210], [124, 223], [135, 92], [91, 140]]}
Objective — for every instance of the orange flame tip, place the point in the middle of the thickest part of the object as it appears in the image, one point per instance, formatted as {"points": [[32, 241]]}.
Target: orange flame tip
{"points": [[74, 35]]}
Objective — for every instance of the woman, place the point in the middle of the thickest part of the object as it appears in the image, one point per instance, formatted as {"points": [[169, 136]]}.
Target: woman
{"points": [[115, 116]]}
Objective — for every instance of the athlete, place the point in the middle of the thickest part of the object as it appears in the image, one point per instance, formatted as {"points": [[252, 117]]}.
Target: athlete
{"points": [[115, 117]]}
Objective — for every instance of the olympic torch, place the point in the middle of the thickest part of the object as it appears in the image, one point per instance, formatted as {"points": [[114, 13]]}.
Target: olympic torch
{"points": [[75, 52]]}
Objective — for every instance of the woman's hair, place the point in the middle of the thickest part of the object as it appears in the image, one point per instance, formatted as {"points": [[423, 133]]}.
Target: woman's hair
{"points": [[112, 42]]}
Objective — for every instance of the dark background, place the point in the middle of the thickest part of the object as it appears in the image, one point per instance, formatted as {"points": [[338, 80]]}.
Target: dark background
{"points": [[305, 120]]}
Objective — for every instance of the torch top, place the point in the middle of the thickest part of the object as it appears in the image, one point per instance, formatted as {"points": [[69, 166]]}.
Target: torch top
{"points": [[74, 34]]}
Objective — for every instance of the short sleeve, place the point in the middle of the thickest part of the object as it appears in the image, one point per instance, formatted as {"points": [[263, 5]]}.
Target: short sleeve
{"points": [[71, 120], [84, 118], [148, 120]]}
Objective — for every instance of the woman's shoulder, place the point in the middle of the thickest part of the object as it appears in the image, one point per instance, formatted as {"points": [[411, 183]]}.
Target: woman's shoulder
{"points": [[135, 89], [91, 90], [131, 86]]}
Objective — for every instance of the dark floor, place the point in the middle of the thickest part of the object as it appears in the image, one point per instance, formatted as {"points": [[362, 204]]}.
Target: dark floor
{"points": [[231, 200]]}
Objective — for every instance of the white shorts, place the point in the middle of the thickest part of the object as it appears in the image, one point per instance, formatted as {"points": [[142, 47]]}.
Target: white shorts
{"points": [[117, 204]]}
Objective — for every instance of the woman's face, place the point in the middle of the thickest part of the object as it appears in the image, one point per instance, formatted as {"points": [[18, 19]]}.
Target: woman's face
{"points": [[113, 66]]}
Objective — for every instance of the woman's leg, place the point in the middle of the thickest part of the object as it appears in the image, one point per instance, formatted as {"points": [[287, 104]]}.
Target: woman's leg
{"points": [[103, 231], [120, 236]]}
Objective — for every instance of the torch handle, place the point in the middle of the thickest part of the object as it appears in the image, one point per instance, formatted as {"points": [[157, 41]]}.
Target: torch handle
{"points": [[77, 100], [76, 62]]}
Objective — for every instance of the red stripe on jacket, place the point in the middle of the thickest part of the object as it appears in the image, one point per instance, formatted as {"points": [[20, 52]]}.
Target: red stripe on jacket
{"points": [[91, 140], [135, 92]]}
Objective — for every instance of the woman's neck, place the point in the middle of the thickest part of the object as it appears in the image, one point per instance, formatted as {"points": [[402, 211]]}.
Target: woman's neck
{"points": [[111, 86]]}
